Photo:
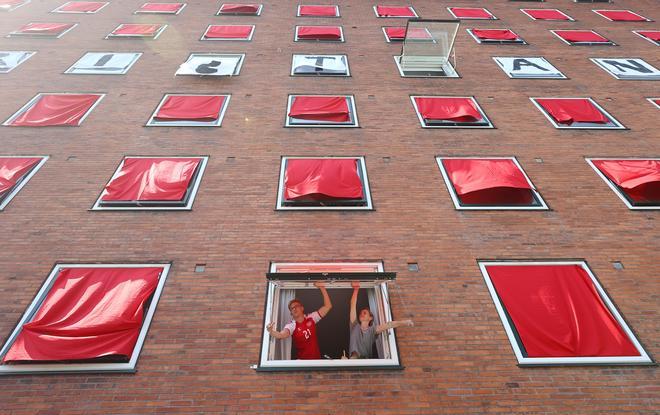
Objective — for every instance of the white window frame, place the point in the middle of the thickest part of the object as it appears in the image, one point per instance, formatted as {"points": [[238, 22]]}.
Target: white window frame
{"points": [[154, 37], [657, 43], [57, 10], [45, 35], [519, 41], [248, 39], [456, 200], [138, 11], [191, 198], [72, 69], [128, 367], [652, 101], [615, 188], [316, 17], [448, 68], [546, 361], [34, 100], [570, 19], [339, 55], [608, 43], [217, 123], [411, 8], [492, 16], [617, 125], [654, 77], [559, 74], [258, 13], [23, 181], [237, 69], [341, 34], [363, 176], [597, 11], [424, 125], [323, 124], [27, 55], [11, 9], [592, 1]]}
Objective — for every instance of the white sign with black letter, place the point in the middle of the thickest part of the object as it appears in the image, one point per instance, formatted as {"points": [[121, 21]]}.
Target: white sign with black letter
{"points": [[628, 68], [104, 63], [11, 59], [528, 67], [211, 65]]}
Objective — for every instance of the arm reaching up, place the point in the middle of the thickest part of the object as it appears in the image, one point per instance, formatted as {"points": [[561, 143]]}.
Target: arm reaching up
{"points": [[327, 304], [353, 313]]}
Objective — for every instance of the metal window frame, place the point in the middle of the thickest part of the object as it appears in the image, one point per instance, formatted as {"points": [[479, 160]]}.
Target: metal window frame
{"points": [[569, 18], [411, 8], [155, 36], [423, 123], [608, 43], [345, 56], [341, 35], [237, 69], [57, 10], [616, 125], [217, 123], [657, 43], [448, 68], [492, 16], [518, 41], [597, 11], [652, 77], [28, 54], [322, 17], [615, 188], [22, 181], [354, 123], [71, 70], [559, 74], [248, 39], [36, 98], [138, 11], [258, 12], [44, 35]]}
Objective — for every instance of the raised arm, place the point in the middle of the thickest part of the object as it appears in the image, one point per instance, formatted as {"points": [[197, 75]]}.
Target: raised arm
{"points": [[327, 304], [277, 334], [392, 325], [353, 313]]}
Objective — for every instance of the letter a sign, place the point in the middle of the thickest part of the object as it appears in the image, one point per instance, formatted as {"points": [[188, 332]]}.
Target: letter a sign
{"points": [[528, 67]]}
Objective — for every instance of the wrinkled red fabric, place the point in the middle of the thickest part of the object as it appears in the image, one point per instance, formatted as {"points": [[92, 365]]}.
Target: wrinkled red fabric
{"points": [[137, 29], [574, 36], [228, 32], [322, 179], [651, 34], [8, 4], [165, 179], [82, 7], [53, 29], [471, 13], [88, 313], [546, 14], [399, 33], [394, 11], [239, 8], [495, 34], [12, 169], [161, 7], [448, 109], [621, 15], [319, 32], [318, 11], [190, 108], [320, 108], [568, 111], [56, 109], [639, 179], [557, 312]]}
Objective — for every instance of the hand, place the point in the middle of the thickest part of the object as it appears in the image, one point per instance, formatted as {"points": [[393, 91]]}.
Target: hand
{"points": [[319, 284], [355, 285], [409, 323], [270, 327]]}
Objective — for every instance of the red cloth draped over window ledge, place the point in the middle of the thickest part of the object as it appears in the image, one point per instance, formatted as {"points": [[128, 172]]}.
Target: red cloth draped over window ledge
{"points": [[319, 179], [640, 179], [569, 111], [575, 36], [546, 14], [8, 4], [56, 109], [394, 11], [488, 181], [44, 28], [622, 15], [239, 8], [319, 32], [320, 108], [328, 11], [88, 313], [228, 32], [161, 7], [557, 312], [82, 7], [495, 34], [137, 29], [471, 13], [12, 169], [399, 33], [651, 34], [448, 109], [190, 108]]}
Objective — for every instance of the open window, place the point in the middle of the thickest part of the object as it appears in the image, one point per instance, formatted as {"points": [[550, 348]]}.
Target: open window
{"points": [[495, 183], [474, 13], [321, 111], [287, 281], [323, 183], [528, 67], [547, 14], [628, 68], [137, 31], [449, 112], [43, 30], [181, 110], [496, 36], [84, 7], [400, 33], [652, 36], [86, 318], [621, 16], [306, 10], [582, 38], [407, 12], [557, 313], [46, 110], [429, 56], [15, 172], [240, 9], [228, 32], [153, 183], [576, 113], [9, 60], [11, 5], [212, 64], [319, 33], [635, 181], [320, 65], [161, 8], [104, 63]]}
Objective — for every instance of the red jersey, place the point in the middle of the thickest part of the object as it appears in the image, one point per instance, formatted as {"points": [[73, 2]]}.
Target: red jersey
{"points": [[304, 337]]}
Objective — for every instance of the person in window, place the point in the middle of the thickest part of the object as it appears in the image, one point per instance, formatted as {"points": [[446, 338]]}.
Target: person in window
{"points": [[303, 326], [363, 331]]}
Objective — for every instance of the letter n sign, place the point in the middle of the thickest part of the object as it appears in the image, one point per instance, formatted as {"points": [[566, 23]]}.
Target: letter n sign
{"points": [[528, 67], [628, 68]]}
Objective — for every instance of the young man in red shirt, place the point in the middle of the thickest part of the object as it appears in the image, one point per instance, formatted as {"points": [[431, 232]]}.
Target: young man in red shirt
{"points": [[303, 326]]}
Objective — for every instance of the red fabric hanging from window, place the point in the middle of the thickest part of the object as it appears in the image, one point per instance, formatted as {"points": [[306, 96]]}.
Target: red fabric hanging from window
{"points": [[82, 7], [448, 109], [52, 29], [320, 108], [621, 15], [161, 7], [56, 109], [488, 181], [239, 8], [156, 179], [320, 179], [575, 36], [394, 11], [569, 111], [495, 34], [546, 14], [8, 4], [137, 29], [651, 34], [557, 312], [319, 32], [228, 32], [88, 313], [318, 11], [190, 108], [12, 169], [471, 13], [639, 179], [399, 33]]}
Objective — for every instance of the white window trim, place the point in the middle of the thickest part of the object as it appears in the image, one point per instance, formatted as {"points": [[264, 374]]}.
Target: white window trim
{"points": [[411, 8], [45, 35], [598, 62], [424, 125], [456, 200], [11, 9], [345, 56], [365, 180], [57, 10], [519, 41], [617, 124], [84, 367], [448, 67], [131, 36], [217, 123], [608, 43], [237, 70], [191, 199], [592, 1], [4, 202], [30, 54], [316, 17], [613, 186], [39, 95], [652, 101], [570, 19], [535, 361], [258, 13], [351, 106], [72, 68], [646, 38], [341, 34], [561, 74], [492, 16], [646, 19], [247, 39], [158, 2]]}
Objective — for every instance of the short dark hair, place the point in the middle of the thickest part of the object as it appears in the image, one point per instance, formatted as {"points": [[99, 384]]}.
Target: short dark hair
{"points": [[295, 300], [370, 313]]}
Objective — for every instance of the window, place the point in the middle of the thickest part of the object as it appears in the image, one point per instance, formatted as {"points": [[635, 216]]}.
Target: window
{"points": [[86, 318], [87, 7], [528, 67], [180, 110], [45, 110], [228, 32], [317, 11], [471, 13], [161, 8], [621, 16], [104, 63], [153, 183], [320, 65], [399, 34], [495, 183], [576, 113], [652, 36], [130, 30], [212, 64], [9, 60], [321, 111], [582, 38], [546, 14], [428, 57], [557, 313], [496, 36], [449, 112], [655, 102], [323, 183], [10, 5], [15, 172], [319, 33], [592, 1], [628, 68], [395, 11], [287, 281], [49, 30], [240, 9], [635, 181]]}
